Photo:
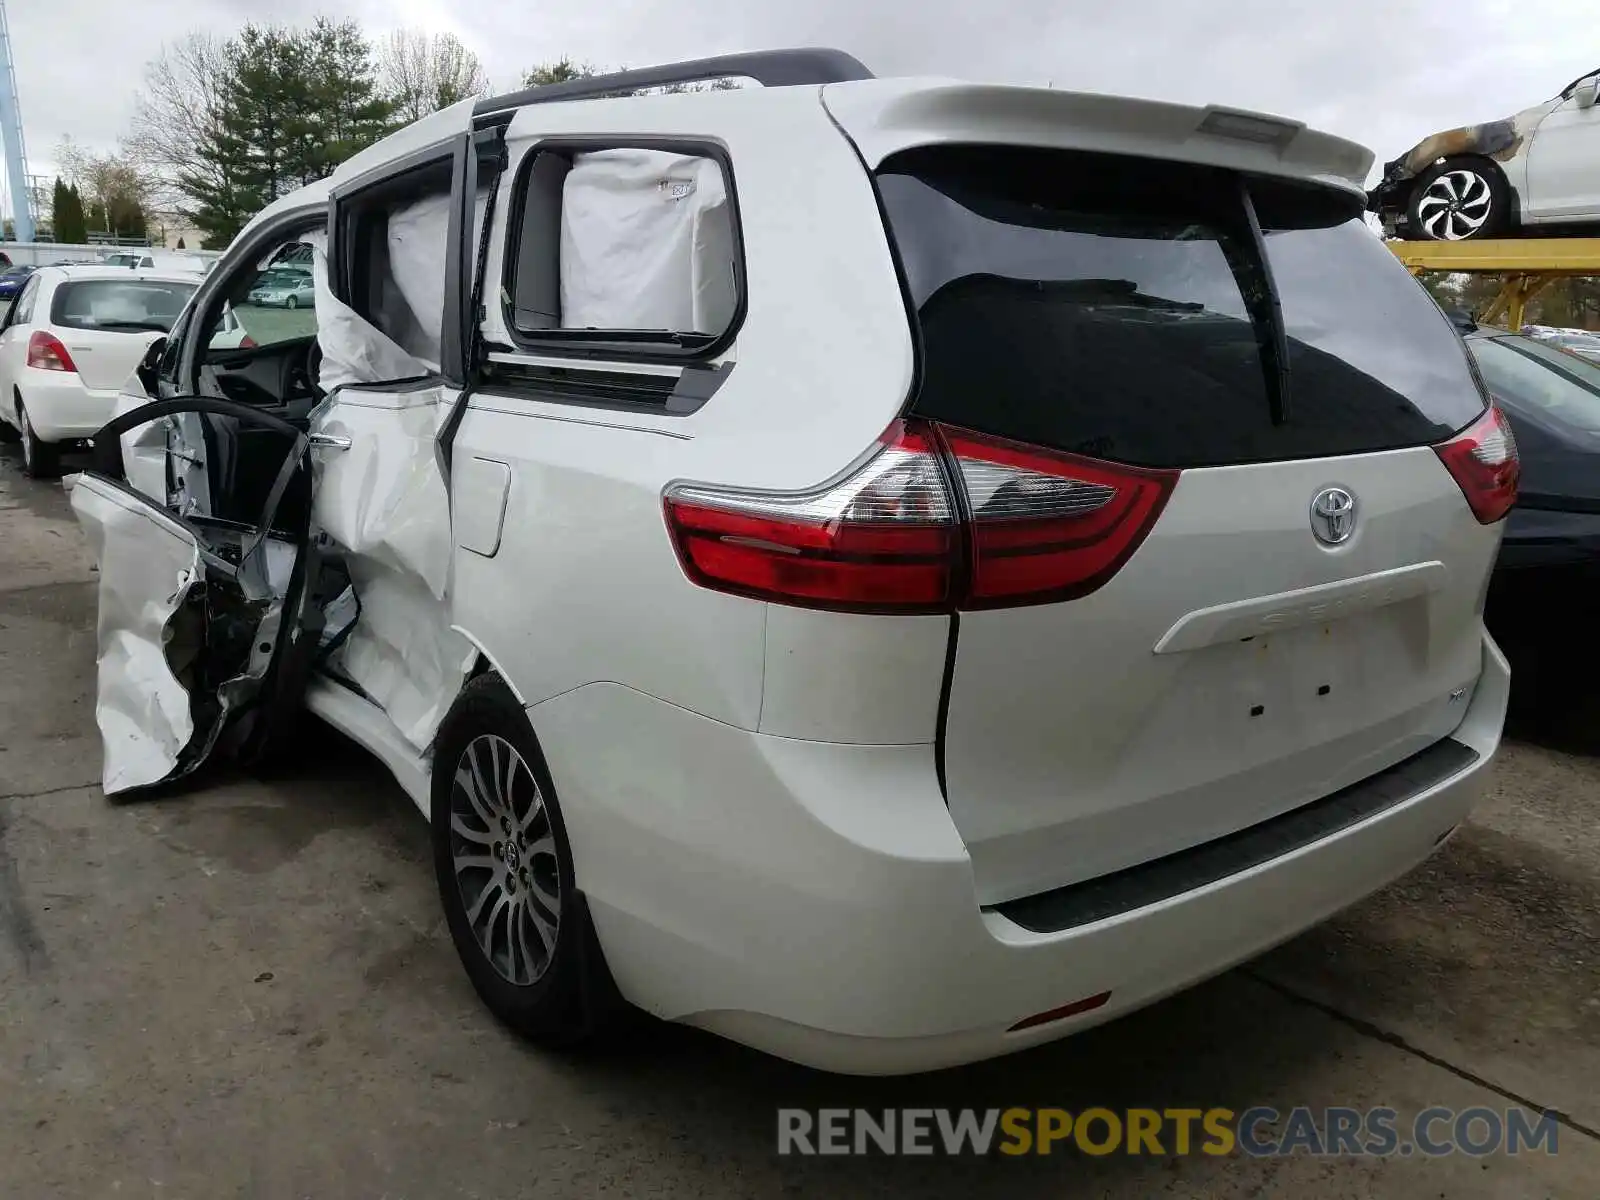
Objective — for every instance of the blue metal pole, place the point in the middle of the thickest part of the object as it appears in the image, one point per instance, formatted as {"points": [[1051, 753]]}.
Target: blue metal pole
{"points": [[11, 129]]}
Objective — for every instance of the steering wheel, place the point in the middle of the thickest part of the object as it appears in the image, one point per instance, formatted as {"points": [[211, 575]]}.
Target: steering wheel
{"points": [[312, 365]]}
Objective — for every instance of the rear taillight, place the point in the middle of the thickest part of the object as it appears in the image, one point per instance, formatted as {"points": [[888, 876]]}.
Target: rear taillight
{"points": [[879, 539], [887, 535], [46, 353], [1482, 459], [1045, 525]]}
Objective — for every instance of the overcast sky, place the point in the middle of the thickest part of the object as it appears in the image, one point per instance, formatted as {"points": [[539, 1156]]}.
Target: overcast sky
{"points": [[1384, 72]]}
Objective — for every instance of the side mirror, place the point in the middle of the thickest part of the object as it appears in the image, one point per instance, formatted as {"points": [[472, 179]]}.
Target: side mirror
{"points": [[1586, 92]]}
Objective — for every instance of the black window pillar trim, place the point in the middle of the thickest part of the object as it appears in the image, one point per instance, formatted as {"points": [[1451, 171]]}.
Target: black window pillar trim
{"points": [[482, 162]]}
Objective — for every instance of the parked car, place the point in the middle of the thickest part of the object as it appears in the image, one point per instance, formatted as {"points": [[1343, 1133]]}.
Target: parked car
{"points": [[68, 343], [1538, 168], [284, 288], [1552, 400], [1020, 563], [157, 260], [1581, 342], [12, 279]]}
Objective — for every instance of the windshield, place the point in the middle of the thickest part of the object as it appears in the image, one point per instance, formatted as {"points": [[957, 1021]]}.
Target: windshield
{"points": [[1536, 377], [1116, 307], [118, 304]]}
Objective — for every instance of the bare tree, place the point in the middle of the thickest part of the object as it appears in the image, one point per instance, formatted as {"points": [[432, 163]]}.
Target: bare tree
{"points": [[424, 72], [116, 189], [176, 113]]}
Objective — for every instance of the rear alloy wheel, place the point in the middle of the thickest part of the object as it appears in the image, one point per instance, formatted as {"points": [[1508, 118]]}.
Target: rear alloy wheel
{"points": [[40, 460], [291, 303], [504, 869], [1458, 200]]}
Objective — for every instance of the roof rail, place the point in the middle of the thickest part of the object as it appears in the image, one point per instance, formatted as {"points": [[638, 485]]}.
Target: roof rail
{"points": [[770, 68]]}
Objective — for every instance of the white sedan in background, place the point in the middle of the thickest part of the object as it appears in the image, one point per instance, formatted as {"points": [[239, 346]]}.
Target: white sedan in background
{"points": [[69, 343]]}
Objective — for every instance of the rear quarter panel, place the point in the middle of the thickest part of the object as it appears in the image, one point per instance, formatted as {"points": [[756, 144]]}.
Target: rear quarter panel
{"points": [[585, 586]]}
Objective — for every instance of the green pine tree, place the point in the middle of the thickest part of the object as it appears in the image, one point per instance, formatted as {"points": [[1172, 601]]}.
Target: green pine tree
{"points": [[71, 226], [349, 109], [559, 71], [60, 203]]}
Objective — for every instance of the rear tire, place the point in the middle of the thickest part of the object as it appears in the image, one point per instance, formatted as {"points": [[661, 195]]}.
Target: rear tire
{"points": [[40, 459], [291, 304], [8, 434], [1458, 200], [504, 868]]}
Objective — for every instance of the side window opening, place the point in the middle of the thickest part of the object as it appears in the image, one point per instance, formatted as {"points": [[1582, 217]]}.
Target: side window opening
{"points": [[393, 247], [622, 245], [258, 333]]}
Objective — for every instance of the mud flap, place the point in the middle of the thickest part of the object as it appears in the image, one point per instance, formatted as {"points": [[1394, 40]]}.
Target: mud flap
{"points": [[206, 628]]}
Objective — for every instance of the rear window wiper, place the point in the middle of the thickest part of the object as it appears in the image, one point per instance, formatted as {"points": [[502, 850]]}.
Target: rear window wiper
{"points": [[1267, 307]]}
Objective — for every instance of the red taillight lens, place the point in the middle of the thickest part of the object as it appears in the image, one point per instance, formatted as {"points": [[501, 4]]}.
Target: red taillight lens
{"points": [[46, 352], [1483, 461], [884, 537], [880, 539], [1048, 526]]}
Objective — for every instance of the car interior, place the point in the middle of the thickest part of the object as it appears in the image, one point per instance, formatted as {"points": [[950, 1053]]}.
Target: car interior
{"points": [[276, 376]]}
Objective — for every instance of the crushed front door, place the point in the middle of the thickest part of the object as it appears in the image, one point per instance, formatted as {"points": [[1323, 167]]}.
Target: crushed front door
{"points": [[207, 628]]}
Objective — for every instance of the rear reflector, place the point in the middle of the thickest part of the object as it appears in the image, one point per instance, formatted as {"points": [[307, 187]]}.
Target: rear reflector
{"points": [[1483, 461], [887, 537], [1087, 1004], [46, 353]]}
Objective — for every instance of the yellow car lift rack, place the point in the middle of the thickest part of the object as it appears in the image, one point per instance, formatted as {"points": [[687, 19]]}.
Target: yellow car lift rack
{"points": [[1528, 265]]}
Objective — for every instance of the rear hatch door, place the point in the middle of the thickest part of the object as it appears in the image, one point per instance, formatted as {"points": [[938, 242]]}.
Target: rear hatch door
{"points": [[1304, 611]]}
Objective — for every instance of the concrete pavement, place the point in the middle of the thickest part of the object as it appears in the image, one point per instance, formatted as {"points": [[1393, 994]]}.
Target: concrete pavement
{"points": [[247, 990]]}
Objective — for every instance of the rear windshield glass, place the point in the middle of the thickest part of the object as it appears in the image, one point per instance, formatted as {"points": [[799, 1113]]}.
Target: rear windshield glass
{"points": [[1115, 307], [1534, 377], [126, 304]]}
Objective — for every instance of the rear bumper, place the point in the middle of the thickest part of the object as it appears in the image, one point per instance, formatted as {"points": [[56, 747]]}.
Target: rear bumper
{"points": [[60, 407], [814, 900]]}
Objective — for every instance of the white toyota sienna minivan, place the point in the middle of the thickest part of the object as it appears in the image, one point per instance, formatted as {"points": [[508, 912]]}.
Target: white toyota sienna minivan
{"points": [[889, 571]]}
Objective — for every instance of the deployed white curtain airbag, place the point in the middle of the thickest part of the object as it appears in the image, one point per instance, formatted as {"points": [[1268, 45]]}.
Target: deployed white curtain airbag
{"points": [[416, 247], [646, 243], [354, 350]]}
